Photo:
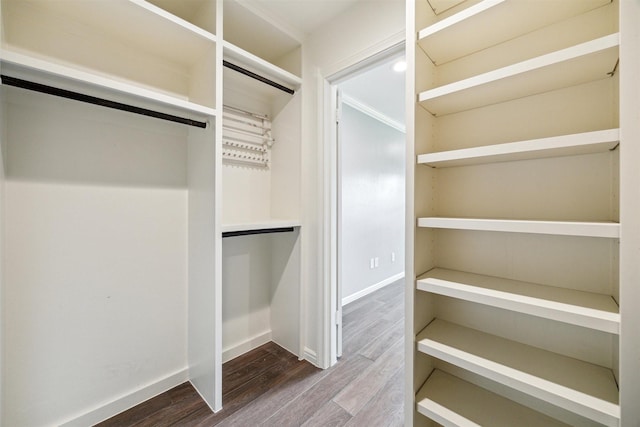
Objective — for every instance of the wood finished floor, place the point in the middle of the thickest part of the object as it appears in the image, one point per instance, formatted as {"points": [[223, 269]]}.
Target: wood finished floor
{"points": [[270, 387]]}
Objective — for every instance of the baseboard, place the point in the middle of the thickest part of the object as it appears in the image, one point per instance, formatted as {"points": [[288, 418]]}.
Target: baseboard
{"points": [[372, 288], [130, 400], [243, 347], [310, 356]]}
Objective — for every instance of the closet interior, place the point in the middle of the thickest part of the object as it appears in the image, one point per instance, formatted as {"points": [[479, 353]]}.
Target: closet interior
{"points": [[515, 310], [260, 184], [121, 179]]}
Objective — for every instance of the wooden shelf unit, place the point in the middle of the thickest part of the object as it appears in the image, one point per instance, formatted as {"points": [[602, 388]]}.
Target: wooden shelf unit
{"points": [[584, 388], [508, 99]]}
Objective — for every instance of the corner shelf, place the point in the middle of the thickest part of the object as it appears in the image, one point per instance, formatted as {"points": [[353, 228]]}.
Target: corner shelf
{"points": [[560, 228], [42, 71], [557, 146], [575, 65], [475, 28], [580, 387], [453, 402], [586, 309]]}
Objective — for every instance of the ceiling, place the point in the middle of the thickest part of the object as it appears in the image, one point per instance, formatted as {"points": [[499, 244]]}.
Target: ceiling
{"points": [[303, 16]]}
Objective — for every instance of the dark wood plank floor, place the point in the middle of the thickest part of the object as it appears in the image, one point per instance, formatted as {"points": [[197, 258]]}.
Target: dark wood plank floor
{"points": [[271, 387]]}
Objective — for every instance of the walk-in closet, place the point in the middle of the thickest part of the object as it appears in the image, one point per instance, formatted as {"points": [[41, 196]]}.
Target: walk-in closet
{"points": [[151, 200]]}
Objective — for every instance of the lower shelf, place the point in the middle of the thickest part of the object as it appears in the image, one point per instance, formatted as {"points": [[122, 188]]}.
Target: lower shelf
{"points": [[452, 402], [574, 385]]}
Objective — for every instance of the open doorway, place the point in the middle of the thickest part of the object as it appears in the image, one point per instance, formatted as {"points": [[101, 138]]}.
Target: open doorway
{"points": [[368, 201]]}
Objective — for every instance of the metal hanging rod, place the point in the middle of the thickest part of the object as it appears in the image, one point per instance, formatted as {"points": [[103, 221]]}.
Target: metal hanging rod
{"points": [[63, 93], [237, 110], [258, 77], [261, 231]]}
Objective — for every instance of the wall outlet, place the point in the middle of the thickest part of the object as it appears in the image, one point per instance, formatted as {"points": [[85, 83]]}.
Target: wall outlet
{"points": [[393, 257], [371, 263], [377, 262]]}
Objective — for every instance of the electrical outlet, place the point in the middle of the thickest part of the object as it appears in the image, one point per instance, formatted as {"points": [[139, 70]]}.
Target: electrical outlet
{"points": [[393, 257], [377, 262], [371, 263]]}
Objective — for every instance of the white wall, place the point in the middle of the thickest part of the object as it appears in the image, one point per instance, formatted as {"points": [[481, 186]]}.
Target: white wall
{"points": [[360, 31], [95, 280], [372, 202], [3, 139]]}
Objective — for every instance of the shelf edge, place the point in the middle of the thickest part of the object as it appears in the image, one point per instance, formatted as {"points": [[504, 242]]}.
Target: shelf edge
{"points": [[560, 228], [537, 148], [563, 312]]}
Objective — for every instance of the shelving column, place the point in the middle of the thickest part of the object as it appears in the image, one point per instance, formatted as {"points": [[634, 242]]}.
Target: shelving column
{"points": [[629, 373]]}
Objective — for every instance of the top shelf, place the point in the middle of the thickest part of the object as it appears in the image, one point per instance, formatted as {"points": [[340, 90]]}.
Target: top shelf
{"points": [[579, 64], [490, 22], [135, 22], [64, 77], [253, 63], [131, 48]]}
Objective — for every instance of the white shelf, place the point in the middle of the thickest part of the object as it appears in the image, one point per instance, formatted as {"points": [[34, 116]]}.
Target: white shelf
{"points": [[263, 225], [452, 402], [258, 65], [567, 67], [560, 228], [491, 22], [586, 309], [42, 71], [557, 146], [139, 23], [579, 387]]}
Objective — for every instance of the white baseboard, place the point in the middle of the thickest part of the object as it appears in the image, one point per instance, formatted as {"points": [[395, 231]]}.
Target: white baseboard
{"points": [[372, 288], [310, 356], [243, 347], [130, 400]]}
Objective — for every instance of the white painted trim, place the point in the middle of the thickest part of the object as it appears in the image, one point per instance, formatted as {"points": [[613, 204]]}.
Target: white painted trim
{"points": [[310, 356], [245, 346], [373, 113], [328, 77], [127, 401], [366, 291]]}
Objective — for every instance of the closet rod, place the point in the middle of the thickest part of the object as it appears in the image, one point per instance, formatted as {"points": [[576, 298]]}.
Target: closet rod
{"points": [[261, 231], [63, 93], [257, 77]]}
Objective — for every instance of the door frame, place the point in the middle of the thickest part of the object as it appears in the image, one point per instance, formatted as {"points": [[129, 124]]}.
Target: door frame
{"points": [[330, 79]]}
